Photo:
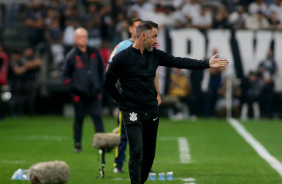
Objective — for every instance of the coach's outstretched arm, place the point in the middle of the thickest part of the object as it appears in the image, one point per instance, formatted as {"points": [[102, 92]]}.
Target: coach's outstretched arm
{"points": [[217, 62]]}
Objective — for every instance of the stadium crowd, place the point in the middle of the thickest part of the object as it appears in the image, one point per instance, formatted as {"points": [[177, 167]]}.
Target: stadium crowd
{"points": [[48, 27]]}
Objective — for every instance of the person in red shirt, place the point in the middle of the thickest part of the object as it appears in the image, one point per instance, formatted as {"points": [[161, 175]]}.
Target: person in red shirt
{"points": [[3, 76], [3, 66]]}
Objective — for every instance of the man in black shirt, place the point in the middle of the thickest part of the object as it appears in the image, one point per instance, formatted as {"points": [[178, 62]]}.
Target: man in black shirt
{"points": [[135, 67], [83, 72], [25, 81]]}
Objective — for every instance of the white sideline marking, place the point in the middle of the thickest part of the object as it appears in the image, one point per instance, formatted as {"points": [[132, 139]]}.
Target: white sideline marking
{"points": [[187, 179], [274, 163], [41, 137], [13, 161], [184, 150]]}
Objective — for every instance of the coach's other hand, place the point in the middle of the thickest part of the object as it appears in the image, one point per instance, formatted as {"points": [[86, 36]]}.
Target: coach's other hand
{"points": [[217, 62]]}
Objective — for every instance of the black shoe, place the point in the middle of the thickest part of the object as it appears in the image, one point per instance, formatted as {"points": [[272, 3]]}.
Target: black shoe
{"points": [[77, 147]]}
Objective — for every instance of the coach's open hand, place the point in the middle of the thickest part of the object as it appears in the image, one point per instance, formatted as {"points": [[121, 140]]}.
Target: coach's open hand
{"points": [[217, 62]]}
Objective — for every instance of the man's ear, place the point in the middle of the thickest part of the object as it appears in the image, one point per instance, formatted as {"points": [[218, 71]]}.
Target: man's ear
{"points": [[130, 29], [143, 36]]}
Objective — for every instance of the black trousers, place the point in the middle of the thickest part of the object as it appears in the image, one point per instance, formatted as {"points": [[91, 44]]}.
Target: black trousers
{"points": [[84, 105], [141, 130]]}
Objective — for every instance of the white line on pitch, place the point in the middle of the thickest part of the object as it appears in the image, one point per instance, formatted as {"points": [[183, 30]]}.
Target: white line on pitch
{"points": [[41, 137], [187, 179], [13, 161], [274, 163], [184, 150]]}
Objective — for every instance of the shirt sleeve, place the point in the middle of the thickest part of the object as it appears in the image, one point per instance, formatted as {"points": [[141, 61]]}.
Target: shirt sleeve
{"points": [[112, 76], [168, 60], [118, 49], [67, 70], [113, 53]]}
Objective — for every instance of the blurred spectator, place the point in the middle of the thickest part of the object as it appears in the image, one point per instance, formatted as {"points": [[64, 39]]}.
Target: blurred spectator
{"points": [[231, 4], [50, 14], [16, 70], [157, 15], [258, 6], [204, 20], [3, 78], [257, 21], [53, 36], [238, 18], [26, 72], [221, 104], [121, 28], [191, 10], [92, 23], [178, 3], [251, 96], [11, 13], [68, 35], [267, 70], [173, 18], [274, 22], [179, 18], [196, 78], [211, 96], [277, 8], [72, 14], [35, 23], [105, 52], [221, 18], [54, 4], [180, 86], [140, 9], [119, 6], [107, 23], [107, 100], [73, 8], [3, 66], [269, 2]]}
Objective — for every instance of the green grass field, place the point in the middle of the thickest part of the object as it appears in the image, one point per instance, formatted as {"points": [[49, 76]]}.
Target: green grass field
{"points": [[219, 155]]}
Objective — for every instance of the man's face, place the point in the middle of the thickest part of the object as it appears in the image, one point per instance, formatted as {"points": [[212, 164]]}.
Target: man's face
{"points": [[81, 38], [150, 39], [28, 52], [132, 29]]}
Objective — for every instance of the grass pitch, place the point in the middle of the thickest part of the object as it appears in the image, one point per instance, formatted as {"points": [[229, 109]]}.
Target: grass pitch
{"points": [[218, 154]]}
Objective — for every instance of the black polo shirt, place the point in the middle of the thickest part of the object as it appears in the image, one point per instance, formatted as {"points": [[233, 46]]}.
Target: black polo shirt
{"points": [[136, 73]]}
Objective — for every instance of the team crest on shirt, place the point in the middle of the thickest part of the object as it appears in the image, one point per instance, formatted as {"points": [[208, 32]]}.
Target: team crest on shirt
{"points": [[133, 116]]}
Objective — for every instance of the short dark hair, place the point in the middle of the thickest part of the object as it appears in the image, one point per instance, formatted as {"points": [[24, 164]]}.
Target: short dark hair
{"points": [[132, 21], [144, 26]]}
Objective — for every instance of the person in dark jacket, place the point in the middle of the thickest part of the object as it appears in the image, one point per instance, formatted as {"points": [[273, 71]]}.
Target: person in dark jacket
{"points": [[135, 67], [83, 72]]}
